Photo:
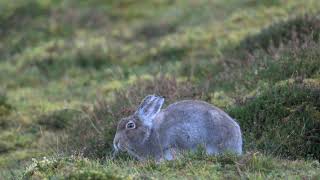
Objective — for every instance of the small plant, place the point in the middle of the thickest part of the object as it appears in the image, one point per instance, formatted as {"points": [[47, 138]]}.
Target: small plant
{"points": [[46, 166], [5, 109]]}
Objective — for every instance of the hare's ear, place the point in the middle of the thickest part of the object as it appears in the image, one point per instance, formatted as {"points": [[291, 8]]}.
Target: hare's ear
{"points": [[149, 108]]}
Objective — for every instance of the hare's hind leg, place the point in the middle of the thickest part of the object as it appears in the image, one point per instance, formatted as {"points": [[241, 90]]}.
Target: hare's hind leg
{"points": [[167, 155], [211, 149], [170, 154]]}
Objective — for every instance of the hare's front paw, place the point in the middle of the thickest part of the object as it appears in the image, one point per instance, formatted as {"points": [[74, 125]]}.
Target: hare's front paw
{"points": [[170, 154]]}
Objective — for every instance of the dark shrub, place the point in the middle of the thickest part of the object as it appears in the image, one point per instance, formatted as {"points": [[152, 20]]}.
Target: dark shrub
{"points": [[59, 119], [292, 44], [156, 30], [291, 60], [170, 54], [283, 32], [12, 14], [284, 120], [95, 59], [52, 60], [5, 147]]}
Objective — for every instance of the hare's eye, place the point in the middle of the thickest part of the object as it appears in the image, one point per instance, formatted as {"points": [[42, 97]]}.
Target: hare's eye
{"points": [[130, 125]]}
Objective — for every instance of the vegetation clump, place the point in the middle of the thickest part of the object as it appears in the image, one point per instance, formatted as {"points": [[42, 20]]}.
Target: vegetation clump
{"points": [[256, 70], [297, 28], [283, 121]]}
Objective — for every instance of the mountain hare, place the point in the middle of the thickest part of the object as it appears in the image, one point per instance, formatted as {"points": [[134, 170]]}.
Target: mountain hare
{"points": [[184, 125]]}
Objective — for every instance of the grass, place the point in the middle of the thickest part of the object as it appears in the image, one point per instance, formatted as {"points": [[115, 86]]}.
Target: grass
{"points": [[69, 70], [283, 121], [251, 166]]}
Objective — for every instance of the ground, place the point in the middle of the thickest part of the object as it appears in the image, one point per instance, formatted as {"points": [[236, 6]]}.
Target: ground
{"points": [[69, 70]]}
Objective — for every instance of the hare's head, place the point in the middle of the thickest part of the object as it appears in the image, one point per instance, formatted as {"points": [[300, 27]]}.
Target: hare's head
{"points": [[134, 130]]}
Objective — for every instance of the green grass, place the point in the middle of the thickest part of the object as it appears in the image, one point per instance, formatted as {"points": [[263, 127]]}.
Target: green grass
{"points": [[249, 166], [69, 70]]}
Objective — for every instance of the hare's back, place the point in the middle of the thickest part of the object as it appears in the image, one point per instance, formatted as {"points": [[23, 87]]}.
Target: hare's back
{"points": [[197, 110], [188, 123], [195, 114], [191, 113]]}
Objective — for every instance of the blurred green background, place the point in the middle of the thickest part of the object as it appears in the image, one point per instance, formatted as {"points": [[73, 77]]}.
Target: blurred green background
{"points": [[69, 70]]}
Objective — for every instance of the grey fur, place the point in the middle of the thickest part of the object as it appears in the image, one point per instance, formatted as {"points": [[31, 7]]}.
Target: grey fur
{"points": [[181, 126]]}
